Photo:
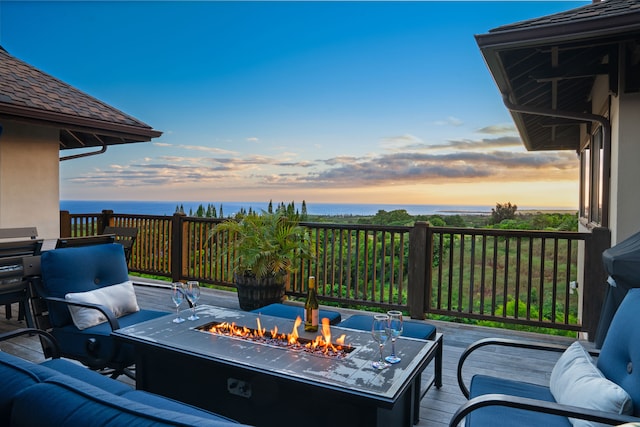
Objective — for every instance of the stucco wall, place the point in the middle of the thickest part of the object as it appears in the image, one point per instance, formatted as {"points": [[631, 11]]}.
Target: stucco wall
{"points": [[625, 166], [29, 178]]}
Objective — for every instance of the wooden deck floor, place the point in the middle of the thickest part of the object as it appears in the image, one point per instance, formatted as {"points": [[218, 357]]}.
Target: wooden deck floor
{"points": [[438, 405]]}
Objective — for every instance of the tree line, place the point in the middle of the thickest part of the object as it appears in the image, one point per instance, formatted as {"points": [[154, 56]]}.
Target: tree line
{"points": [[504, 216]]}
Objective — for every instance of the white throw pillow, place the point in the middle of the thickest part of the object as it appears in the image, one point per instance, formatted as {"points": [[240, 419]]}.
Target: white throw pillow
{"points": [[120, 299], [576, 381]]}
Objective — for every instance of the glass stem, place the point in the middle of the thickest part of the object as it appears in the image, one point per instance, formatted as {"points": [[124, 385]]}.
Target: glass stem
{"points": [[393, 347], [381, 353]]}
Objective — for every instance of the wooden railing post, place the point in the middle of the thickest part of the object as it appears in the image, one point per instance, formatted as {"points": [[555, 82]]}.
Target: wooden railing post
{"points": [[177, 243], [65, 224], [417, 273], [105, 220], [595, 278]]}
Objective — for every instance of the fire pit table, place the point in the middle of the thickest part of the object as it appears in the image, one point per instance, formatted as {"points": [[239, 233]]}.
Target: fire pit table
{"points": [[266, 384]]}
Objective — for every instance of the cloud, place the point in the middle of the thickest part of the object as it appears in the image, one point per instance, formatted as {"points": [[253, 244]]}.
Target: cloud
{"points": [[498, 129], [302, 164], [480, 144], [411, 168], [253, 139], [449, 121], [401, 139], [488, 160], [202, 148]]}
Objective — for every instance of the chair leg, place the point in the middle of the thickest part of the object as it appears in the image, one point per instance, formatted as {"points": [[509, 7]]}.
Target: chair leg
{"points": [[21, 314], [7, 311], [129, 372], [115, 373], [26, 314]]}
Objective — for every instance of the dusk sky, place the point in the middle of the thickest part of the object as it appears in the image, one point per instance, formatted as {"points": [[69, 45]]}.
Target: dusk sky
{"points": [[330, 102]]}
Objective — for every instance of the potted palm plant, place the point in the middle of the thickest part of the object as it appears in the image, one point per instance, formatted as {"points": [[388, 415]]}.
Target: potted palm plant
{"points": [[266, 249]]}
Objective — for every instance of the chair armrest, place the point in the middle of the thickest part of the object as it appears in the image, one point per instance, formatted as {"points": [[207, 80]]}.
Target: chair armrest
{"points": [[111, 318], [51, 341], [502, 342], [538, 406]]}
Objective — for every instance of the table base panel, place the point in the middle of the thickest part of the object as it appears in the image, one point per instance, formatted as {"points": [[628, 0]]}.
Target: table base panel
{"points": [[260, 399]]}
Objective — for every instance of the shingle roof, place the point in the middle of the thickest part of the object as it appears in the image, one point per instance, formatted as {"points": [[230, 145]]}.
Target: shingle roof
{"points": [[600, 10], [31, 94]]}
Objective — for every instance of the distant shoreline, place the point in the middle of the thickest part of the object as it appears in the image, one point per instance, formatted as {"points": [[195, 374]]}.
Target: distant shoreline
{"points": [[459, 212], [315, 209], [528, 211]]}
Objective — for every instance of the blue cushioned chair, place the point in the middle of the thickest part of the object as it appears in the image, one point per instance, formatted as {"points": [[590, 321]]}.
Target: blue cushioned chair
{"points": [[411, 329], [496, 401], [82, 269], [288, 311]]}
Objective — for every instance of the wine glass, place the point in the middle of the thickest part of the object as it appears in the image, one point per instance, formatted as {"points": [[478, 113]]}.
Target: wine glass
{"points": [[192, 290], [395, 330], [380, 332], [177, 295]]}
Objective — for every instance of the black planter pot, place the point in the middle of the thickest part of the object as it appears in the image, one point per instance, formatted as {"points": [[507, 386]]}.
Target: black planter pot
{"points": [[254, 293]]}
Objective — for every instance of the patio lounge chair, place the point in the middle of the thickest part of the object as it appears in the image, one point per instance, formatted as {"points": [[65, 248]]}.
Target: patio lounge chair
{"points": [[88, 294], [126, 236], [607, 392]]}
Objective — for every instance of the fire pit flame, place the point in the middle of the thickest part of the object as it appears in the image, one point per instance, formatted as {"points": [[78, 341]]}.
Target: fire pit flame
{"points": [[320, 345]]}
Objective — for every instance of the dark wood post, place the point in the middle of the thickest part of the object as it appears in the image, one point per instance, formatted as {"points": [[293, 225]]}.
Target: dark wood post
{"points": [[595, 279], [418, 255], [65, 224], [177, 246], [104, 220]]}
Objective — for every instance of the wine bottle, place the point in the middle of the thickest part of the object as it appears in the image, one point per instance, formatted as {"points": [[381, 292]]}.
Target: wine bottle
{"points": [[311, 311]]}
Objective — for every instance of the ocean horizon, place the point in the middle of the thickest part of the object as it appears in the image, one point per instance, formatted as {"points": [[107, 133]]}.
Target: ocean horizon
{"points": [[231, 208]]}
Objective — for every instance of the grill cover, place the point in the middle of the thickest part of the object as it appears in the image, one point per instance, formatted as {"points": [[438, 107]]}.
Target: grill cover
{"points": [[622, 264]]}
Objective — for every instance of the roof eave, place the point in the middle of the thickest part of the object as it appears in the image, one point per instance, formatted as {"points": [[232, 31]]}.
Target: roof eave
{"points": [[558, 33], [496, 41], [64, 121]]}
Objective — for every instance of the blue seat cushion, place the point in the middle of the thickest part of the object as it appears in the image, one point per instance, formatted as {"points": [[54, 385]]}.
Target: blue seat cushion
{"points": [[64, 401], [410, 328], [17, 374], [73, 340], [619, 358], [80, 269], [501, 415], [86, 375], [171, 405], [289, 311]]}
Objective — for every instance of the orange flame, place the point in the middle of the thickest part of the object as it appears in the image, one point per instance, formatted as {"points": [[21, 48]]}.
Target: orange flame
{"points": [[326, 330], [293, 336], [320, 343]]}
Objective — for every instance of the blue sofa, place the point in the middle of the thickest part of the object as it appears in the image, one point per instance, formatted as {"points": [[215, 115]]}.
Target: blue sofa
{"points": [[607, 391], [60, 393]]}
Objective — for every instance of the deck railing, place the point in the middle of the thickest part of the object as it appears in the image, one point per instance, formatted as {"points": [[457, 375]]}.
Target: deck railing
{"points": [[529, 277], [508, 276]]}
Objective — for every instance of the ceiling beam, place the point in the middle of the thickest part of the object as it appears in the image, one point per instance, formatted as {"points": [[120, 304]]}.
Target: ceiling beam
{"points": [[571, 72]]}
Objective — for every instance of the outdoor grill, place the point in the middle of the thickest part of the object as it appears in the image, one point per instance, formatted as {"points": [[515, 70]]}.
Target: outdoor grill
{"points": [[622, 264], [19, 260]]}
